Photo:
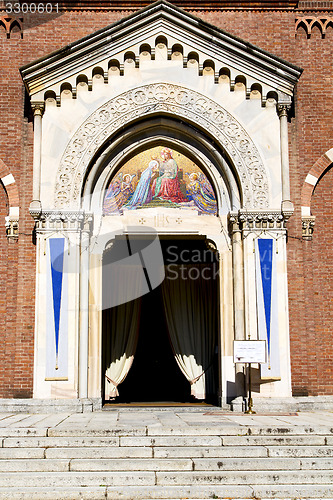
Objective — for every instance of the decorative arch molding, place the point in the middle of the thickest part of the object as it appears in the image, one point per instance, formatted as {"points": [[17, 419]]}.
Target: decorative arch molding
{"points": [[308, 22], [9, 23], [311, 180], [165, 99], [10, 187]]}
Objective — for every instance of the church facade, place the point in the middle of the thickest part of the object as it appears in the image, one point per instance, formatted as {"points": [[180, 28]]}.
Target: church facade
{"points": [[166, 190]]}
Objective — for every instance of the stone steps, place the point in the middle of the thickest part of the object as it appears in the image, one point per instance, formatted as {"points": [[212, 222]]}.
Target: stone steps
{"points": [[147, 462], [245, 492]]}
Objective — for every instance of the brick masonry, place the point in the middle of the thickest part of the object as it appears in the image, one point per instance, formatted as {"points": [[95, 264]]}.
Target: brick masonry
{"points": [[310, 270]]}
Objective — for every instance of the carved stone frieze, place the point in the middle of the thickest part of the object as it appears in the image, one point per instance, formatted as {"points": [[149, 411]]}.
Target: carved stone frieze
{"points": [[308, 227], [56, 220], [257, 220], [162, 98]]}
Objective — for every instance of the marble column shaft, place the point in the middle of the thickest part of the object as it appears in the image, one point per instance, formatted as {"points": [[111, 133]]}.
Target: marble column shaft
{"points": [[37, 155]]}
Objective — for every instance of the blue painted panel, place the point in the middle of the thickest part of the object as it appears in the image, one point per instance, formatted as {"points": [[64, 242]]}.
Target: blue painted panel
{"points": [[57, 262], [265, 247]]}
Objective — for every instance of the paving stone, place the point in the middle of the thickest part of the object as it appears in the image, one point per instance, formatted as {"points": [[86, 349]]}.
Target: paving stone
{"points": [[289, 429], [212, 451], [52, 494], [101, 452], [171, 441], [245, 477], [329, 440], [238, 464], [126, 493], [12, 453], [219, 430], [34, 465], [293, 491], [317, 463], [274, 440], [102, 432], [180, 492], [60, 442], [143, 464], [29, 431], [12, 419], [76, 479], [300, 451]]}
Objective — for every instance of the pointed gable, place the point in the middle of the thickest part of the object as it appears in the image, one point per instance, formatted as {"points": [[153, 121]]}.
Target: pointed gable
{"points": [[195, 40]]}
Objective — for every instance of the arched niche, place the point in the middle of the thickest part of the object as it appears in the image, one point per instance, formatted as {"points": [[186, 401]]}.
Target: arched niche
{"points": [[199, 114], [160, 177], [156, 134]]}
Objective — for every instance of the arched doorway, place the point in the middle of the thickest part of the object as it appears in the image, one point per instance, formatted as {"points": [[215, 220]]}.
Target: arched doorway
{"points": [[162, 347]]}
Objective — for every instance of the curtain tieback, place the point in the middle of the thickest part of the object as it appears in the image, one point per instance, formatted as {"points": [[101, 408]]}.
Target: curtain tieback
{"points": [[196, 378], [111, 381], [199, 376]]}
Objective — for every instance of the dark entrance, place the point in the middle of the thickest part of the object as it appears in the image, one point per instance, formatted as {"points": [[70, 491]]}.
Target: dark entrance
{"points": [[155, 375]]}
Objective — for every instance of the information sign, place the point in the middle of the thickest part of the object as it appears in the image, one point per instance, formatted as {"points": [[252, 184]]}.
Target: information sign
{"points": [[249, 351]]}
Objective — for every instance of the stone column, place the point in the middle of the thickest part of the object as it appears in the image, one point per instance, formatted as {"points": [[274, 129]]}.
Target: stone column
{"points": [[238, 293], [84, 314], [38, 109], [283, 115]]}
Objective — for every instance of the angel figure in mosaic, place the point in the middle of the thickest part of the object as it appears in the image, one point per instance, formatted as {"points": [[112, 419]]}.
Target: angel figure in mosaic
{"points": [[118, 193], [202, 194]]}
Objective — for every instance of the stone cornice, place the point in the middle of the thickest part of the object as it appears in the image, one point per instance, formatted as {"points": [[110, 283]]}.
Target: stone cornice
{"points": [[62, 220], [269, 220], [162, 17]]}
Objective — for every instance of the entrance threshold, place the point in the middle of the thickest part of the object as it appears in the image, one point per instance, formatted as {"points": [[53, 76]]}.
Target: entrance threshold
{"points": [[157, 404]]}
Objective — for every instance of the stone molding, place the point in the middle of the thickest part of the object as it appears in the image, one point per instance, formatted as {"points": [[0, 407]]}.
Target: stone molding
{"points": [[268, 220], [56, 220], [149, 100]]}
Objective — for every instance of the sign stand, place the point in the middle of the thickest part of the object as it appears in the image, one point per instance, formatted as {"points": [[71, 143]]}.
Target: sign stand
{"points": [[250, 408], [250, 351]]}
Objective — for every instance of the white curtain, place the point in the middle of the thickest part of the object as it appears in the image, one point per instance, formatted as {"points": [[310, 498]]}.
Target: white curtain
{"points": [[190, 309], [120, 322]]}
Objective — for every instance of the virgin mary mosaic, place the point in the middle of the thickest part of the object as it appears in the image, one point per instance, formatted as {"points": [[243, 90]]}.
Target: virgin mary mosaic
{"points": [[159, 177]]}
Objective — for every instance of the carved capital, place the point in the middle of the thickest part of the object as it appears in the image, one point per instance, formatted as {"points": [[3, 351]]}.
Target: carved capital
{"points": [[234, 222], [283, 110], [38, 108], [308, 226], [35, 209]]}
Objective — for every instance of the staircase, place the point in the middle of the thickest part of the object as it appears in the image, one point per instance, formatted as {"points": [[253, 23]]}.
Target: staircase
{"points": [[152, 455]]}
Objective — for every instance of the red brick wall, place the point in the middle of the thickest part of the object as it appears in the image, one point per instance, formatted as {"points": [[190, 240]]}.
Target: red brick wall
{"points": [[310, 138], [318, 255], [4, 375]]}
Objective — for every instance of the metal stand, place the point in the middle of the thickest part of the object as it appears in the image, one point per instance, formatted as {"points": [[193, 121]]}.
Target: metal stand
{"points": [[250, 406]]}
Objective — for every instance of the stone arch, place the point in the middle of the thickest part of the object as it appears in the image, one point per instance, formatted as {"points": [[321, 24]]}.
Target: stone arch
{"points": [[166, 133], [168, 100], [311, 180], [10, 187], [309, 185]]}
